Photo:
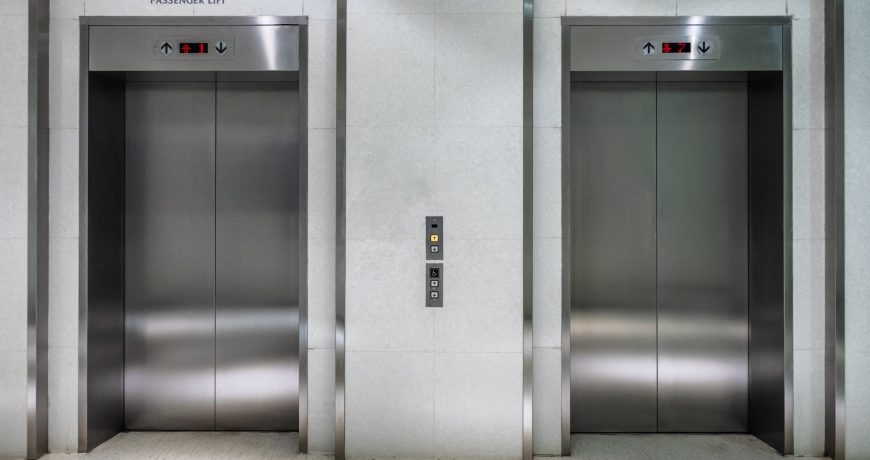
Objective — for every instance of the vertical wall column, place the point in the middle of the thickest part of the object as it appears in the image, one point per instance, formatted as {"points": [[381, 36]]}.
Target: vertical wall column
{"points": [[340, 278], [63, 343], [547, 339], [37, 229], [434, 127], [14, 226], [528, 224], [856, 229], [835, 417]]}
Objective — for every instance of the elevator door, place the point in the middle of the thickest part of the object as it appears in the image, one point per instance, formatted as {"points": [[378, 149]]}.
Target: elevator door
{"points": [[659, 315], [613, 332], [211, 283], [257, 327], [703, 256]]}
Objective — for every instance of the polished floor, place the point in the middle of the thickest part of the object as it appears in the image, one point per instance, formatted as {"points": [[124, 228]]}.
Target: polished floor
{"points": [[220, 446], [194, 446], [671, 447]]}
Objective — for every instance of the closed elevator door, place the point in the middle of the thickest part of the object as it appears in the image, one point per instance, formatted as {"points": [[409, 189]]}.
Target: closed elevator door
{"points": [[211, 284], [659, 325]]}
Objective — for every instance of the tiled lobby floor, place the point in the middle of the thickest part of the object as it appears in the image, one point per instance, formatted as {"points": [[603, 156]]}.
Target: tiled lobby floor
{"points": [[245, 446], [194, 446], [671, 447]]}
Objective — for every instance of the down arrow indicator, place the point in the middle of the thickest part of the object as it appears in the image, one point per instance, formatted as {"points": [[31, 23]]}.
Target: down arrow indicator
{"points": [[221, 48], [703, 47]]}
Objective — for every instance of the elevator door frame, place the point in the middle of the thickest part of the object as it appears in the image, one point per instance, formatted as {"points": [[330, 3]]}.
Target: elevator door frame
{"points": [[100, 373], [601, 61]]}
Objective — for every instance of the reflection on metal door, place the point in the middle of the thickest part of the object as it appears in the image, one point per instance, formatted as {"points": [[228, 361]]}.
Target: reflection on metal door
{"points": [[212, 250], [659, 326], [169, 287], [614, 332], [703, 276], [257, 249]]}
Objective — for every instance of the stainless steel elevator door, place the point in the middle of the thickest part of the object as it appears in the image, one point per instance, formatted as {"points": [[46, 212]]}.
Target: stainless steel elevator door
{"points": [[703, 256], [613, 315], [169, 284], [659, 254], [257, 384], [212, 255]]}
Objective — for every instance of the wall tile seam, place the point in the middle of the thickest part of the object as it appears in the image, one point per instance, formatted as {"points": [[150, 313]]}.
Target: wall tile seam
{"points": [[444, 13], [437, 352], [420, 239], [389, 14], [481, 13], [784, 5], [435, 126], [801, 19], [816, 239], [808, 349], [25, 125], [348, 126], [318, 18], [788, 8], [86, 13], [63, 124], [16, 350], [476, 126]]}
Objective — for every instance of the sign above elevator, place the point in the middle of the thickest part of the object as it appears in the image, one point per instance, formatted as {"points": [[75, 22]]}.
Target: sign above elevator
{"points": [[676, 48], [638, 44], [185, 48], [202, 44]]}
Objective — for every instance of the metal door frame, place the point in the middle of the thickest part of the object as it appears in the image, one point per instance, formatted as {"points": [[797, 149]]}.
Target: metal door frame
{"points": [[85, 441], [571, 21]]}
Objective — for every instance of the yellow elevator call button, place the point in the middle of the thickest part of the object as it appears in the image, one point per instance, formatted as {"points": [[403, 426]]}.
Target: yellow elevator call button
{"points": [[433, 238]]}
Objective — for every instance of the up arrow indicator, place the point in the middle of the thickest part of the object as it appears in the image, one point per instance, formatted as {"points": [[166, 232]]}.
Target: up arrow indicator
{"points": [[166, 48], [221, 48], [704, 48], [648, 48]]}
